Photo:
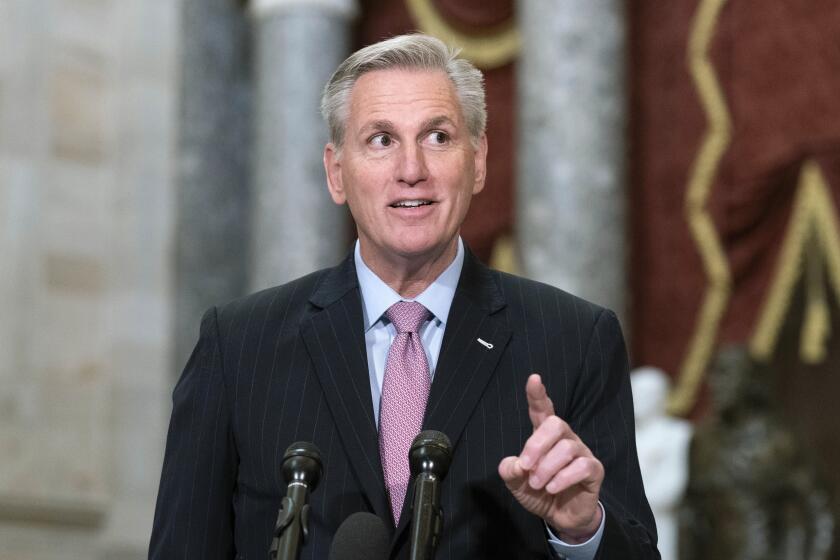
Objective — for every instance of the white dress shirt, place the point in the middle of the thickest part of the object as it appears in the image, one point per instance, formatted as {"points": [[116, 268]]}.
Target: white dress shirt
{"points": [[377, 297]]}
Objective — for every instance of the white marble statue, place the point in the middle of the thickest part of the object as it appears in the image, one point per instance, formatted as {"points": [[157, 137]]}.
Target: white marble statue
{"points": [[663, 443]]}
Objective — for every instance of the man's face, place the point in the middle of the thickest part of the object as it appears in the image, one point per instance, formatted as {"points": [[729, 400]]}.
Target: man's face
{"points": [[407, 168]]}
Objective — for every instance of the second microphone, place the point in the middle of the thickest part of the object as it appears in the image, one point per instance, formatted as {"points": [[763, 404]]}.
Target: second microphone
{"points": [[429, 460]]}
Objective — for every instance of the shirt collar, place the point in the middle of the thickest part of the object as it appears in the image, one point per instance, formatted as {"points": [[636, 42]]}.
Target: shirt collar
{"points": [[377, 296]]}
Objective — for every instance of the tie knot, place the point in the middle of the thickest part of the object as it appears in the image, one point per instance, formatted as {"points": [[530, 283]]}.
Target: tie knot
{"points": [[407, 316]]}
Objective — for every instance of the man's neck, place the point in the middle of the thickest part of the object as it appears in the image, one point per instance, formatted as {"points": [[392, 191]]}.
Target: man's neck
{"points": [[410, 276]]}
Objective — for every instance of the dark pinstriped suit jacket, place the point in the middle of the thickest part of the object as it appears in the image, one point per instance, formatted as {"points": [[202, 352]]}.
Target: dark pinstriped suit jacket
{"points": [[290, 364]]}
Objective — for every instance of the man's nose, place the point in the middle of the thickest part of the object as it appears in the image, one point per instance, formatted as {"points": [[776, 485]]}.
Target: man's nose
{"points": [[412, 167]]}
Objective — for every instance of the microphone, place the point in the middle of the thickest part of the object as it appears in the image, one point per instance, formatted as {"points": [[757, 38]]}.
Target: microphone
{"points": [[362, 536], [428, 459], [301, 470]]}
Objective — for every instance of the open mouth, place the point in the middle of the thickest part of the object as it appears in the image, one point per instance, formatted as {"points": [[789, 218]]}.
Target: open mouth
{"points": [[411, 203]]}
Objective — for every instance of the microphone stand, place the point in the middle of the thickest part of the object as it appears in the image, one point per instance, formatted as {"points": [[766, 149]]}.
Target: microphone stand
{"points": [[428, 517], [301, 471], [429, 459]]}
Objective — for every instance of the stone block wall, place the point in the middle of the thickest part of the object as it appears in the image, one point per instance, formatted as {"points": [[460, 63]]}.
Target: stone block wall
{"points": [[88, 104]]}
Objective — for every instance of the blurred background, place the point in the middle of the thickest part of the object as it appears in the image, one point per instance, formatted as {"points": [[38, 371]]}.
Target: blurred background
{"points": [[676, 161]]}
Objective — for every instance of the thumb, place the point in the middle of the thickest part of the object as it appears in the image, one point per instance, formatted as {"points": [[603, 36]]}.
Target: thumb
{"points": [[512, 473]]}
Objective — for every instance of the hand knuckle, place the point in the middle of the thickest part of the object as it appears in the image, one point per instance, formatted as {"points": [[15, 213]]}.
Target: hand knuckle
{"points": [[555, 423], [536, 442], [567, 447], [593, 467]]}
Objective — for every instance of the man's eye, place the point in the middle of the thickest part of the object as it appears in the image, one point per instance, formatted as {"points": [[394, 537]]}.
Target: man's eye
{"points": [[438, 137], [383, 140]]}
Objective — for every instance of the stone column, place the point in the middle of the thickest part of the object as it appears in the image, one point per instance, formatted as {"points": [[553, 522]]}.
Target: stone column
{"points": [[212, 239], [571, 184], [296, 228]]}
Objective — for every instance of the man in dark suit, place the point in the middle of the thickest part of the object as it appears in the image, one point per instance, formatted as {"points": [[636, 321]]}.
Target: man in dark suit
{"points": [[543, 465]]}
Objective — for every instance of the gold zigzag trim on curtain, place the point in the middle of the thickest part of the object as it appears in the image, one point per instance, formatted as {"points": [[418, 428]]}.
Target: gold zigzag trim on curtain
{"points": [[703, 173], [487, 51], [812, 240]]}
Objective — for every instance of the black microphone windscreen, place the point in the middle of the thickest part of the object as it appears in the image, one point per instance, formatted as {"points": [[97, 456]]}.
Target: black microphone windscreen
{"points": [[431, 451], [362, 536], [303, 449], [302, 462], [431, 437]]}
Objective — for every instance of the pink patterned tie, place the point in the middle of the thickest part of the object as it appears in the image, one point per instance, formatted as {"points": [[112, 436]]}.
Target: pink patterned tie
{"points": [[404, 393]]}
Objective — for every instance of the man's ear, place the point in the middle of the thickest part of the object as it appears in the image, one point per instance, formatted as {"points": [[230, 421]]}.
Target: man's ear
{"points": [[480, 165], [332, 165]]}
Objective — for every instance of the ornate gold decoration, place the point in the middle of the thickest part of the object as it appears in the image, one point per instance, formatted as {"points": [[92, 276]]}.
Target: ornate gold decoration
{"points": [[812, 242], [496, 48], [505, 256], [817, 324], [703, 173]]}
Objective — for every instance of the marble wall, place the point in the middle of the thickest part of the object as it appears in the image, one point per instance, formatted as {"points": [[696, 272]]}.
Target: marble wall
{"points": [[87, 102]]}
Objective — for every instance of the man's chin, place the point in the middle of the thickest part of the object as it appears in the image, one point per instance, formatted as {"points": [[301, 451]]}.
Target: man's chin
{"points": [[417, 250], [425, 246]]}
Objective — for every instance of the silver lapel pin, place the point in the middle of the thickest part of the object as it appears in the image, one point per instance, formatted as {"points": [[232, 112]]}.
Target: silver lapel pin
{"points": [[485, 344]]}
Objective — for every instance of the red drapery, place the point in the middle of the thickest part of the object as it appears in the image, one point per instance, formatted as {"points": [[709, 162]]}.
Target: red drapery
{"points": [[735, 114]]}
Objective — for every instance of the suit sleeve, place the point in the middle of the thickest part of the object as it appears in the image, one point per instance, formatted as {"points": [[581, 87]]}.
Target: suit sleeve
{"points": [[194, 511], [602, 415]]}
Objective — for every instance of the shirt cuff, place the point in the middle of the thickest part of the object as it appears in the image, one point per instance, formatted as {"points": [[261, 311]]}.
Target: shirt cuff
{"points": [[583, 551]]}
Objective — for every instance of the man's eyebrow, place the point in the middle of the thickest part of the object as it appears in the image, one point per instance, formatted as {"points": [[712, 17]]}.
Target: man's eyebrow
{"points": [[437, 121], [378, 125]]}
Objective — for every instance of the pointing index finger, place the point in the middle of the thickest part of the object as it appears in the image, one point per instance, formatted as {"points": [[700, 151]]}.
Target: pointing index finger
{"points": [[540, 406]]}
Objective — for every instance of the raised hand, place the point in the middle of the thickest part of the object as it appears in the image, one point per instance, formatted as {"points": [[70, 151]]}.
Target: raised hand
{"points": [[555, 476]]}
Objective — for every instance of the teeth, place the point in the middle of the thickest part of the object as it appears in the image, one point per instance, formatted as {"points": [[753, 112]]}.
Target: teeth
{"points": [[410, 203]]}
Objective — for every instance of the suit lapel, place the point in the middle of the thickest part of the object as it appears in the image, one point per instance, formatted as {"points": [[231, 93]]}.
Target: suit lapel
{"points": [[474, 340], [334, 338]]}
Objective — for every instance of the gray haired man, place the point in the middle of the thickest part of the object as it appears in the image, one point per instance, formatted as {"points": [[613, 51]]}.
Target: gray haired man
{"points": [[544, 464]]}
